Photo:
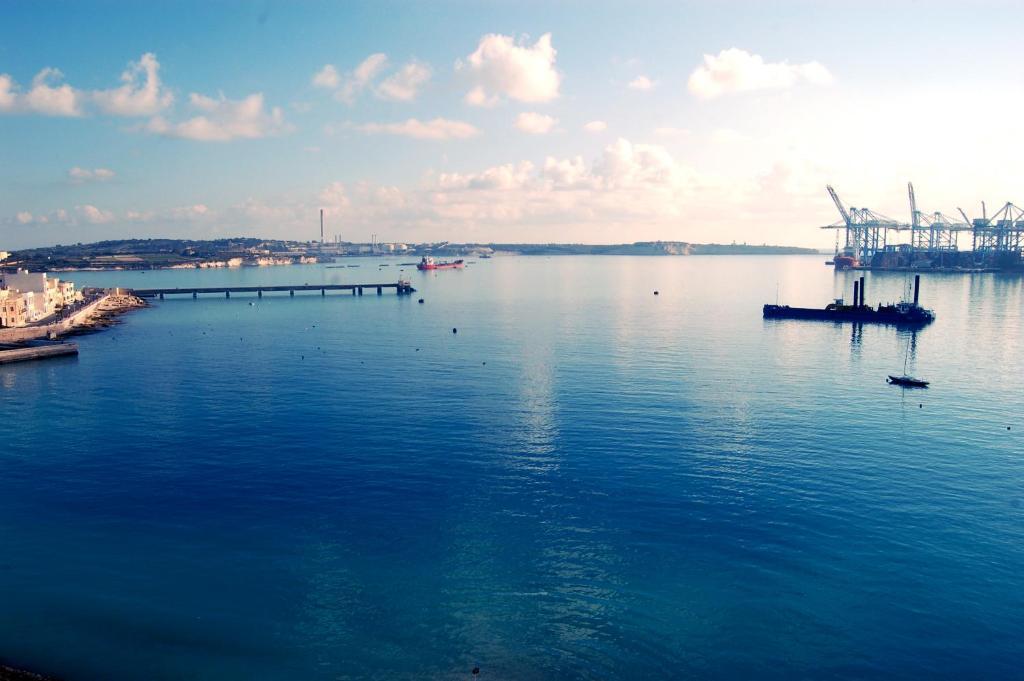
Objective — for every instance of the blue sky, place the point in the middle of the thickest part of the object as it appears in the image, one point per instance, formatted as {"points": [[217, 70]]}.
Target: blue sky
{"points": [[707, 121]]}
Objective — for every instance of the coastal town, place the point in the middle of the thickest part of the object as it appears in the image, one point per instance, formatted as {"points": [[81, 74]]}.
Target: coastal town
{"points": [[37, 313]]}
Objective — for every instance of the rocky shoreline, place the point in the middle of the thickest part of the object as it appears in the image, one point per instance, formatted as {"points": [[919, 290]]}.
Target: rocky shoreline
{"points": [[108, 314], [12, 674]]}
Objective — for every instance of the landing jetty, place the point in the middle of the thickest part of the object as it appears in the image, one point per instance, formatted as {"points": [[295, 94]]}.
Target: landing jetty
{"points": [[401, 287], [908, 314]]}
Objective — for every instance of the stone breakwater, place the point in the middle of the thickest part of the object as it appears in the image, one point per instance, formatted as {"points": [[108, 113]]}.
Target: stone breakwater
{"points": [[12, 674]]}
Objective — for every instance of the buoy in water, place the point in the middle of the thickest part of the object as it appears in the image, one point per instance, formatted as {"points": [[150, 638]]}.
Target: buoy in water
{"points": [[421, 301], [655, 293], [455, 330], [476, 671]]}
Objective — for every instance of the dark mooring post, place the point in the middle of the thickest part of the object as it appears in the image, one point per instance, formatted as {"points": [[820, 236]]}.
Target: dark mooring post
{"points": [[917, 287], [863, 298], [856, 289]]}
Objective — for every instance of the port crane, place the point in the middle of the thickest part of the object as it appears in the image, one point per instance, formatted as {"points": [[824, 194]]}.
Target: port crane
{"points": [[998, 239], [933, 233], [1002, 232], [867, 232]]}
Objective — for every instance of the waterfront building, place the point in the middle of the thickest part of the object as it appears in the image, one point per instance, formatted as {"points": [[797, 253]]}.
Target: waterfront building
{"points": [[43, 295], [14, 306]]}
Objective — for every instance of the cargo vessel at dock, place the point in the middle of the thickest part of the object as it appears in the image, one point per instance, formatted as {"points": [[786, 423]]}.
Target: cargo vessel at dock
{"points": [[900, 314]]}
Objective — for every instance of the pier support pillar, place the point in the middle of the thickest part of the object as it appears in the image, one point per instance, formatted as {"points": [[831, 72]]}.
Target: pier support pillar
{"points": [[259, 294], [195, 294], [292, 293], [323, 292], [227, 294], [360, 290], [353, 290], [379, 291], [161, 296]]}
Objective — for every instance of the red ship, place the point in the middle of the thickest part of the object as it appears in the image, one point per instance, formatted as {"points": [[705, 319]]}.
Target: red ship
{"points": [[431, 264]]}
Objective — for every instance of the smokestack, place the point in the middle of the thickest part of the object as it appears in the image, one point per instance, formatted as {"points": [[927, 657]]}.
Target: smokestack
{"points": [[917, 287], [321, 227], [856, 285], [863, 298]]}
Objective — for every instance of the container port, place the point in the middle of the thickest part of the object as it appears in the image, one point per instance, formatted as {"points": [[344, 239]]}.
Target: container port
{"points": [[930, 240]]}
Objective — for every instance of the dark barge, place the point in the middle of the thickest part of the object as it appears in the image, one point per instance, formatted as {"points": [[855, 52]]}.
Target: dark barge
{"points": [[900, 314]]}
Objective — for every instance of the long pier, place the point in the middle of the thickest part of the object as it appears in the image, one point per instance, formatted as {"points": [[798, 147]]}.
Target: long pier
{"points": [[9, 354], [401, 288]]}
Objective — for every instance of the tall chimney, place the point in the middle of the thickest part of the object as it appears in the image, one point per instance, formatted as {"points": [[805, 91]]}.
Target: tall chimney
{"points": [[917, 287], [863, 298], [856, 285]]}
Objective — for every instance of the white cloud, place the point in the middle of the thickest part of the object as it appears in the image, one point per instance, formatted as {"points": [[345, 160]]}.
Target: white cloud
{"points": [[479, 97], [504, 177], [94, 215], [595, 126], [641, 83], [436, 129], [8, 96], [193, 212], [726, 136], [48, 96], [52, 97], [735, 70], [327, 77], [81, 175], [222, 120], [361, 77], [133, 98], [24, 217], [621, 166], [405, 85], [669, 131], [501, 67], [333, 199], [348, 88], [535, 123]]}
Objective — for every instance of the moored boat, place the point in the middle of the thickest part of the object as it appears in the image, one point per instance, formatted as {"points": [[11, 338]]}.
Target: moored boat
{"points": [[428, 263], [901, 314], [908, 381]]}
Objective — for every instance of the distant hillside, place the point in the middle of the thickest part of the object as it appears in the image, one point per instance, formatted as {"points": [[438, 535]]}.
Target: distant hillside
{"points": [[162, 253]]}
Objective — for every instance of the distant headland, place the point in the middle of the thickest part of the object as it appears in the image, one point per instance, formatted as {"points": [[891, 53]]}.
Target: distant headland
{"points": [[132, 254]]}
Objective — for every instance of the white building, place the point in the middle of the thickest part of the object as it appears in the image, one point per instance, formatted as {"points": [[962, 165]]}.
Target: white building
{"points": [[14, 306], [43, 296]]}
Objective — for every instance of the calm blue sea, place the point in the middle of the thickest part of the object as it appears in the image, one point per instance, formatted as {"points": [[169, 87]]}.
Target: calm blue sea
{"points": [[587, 481]]}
